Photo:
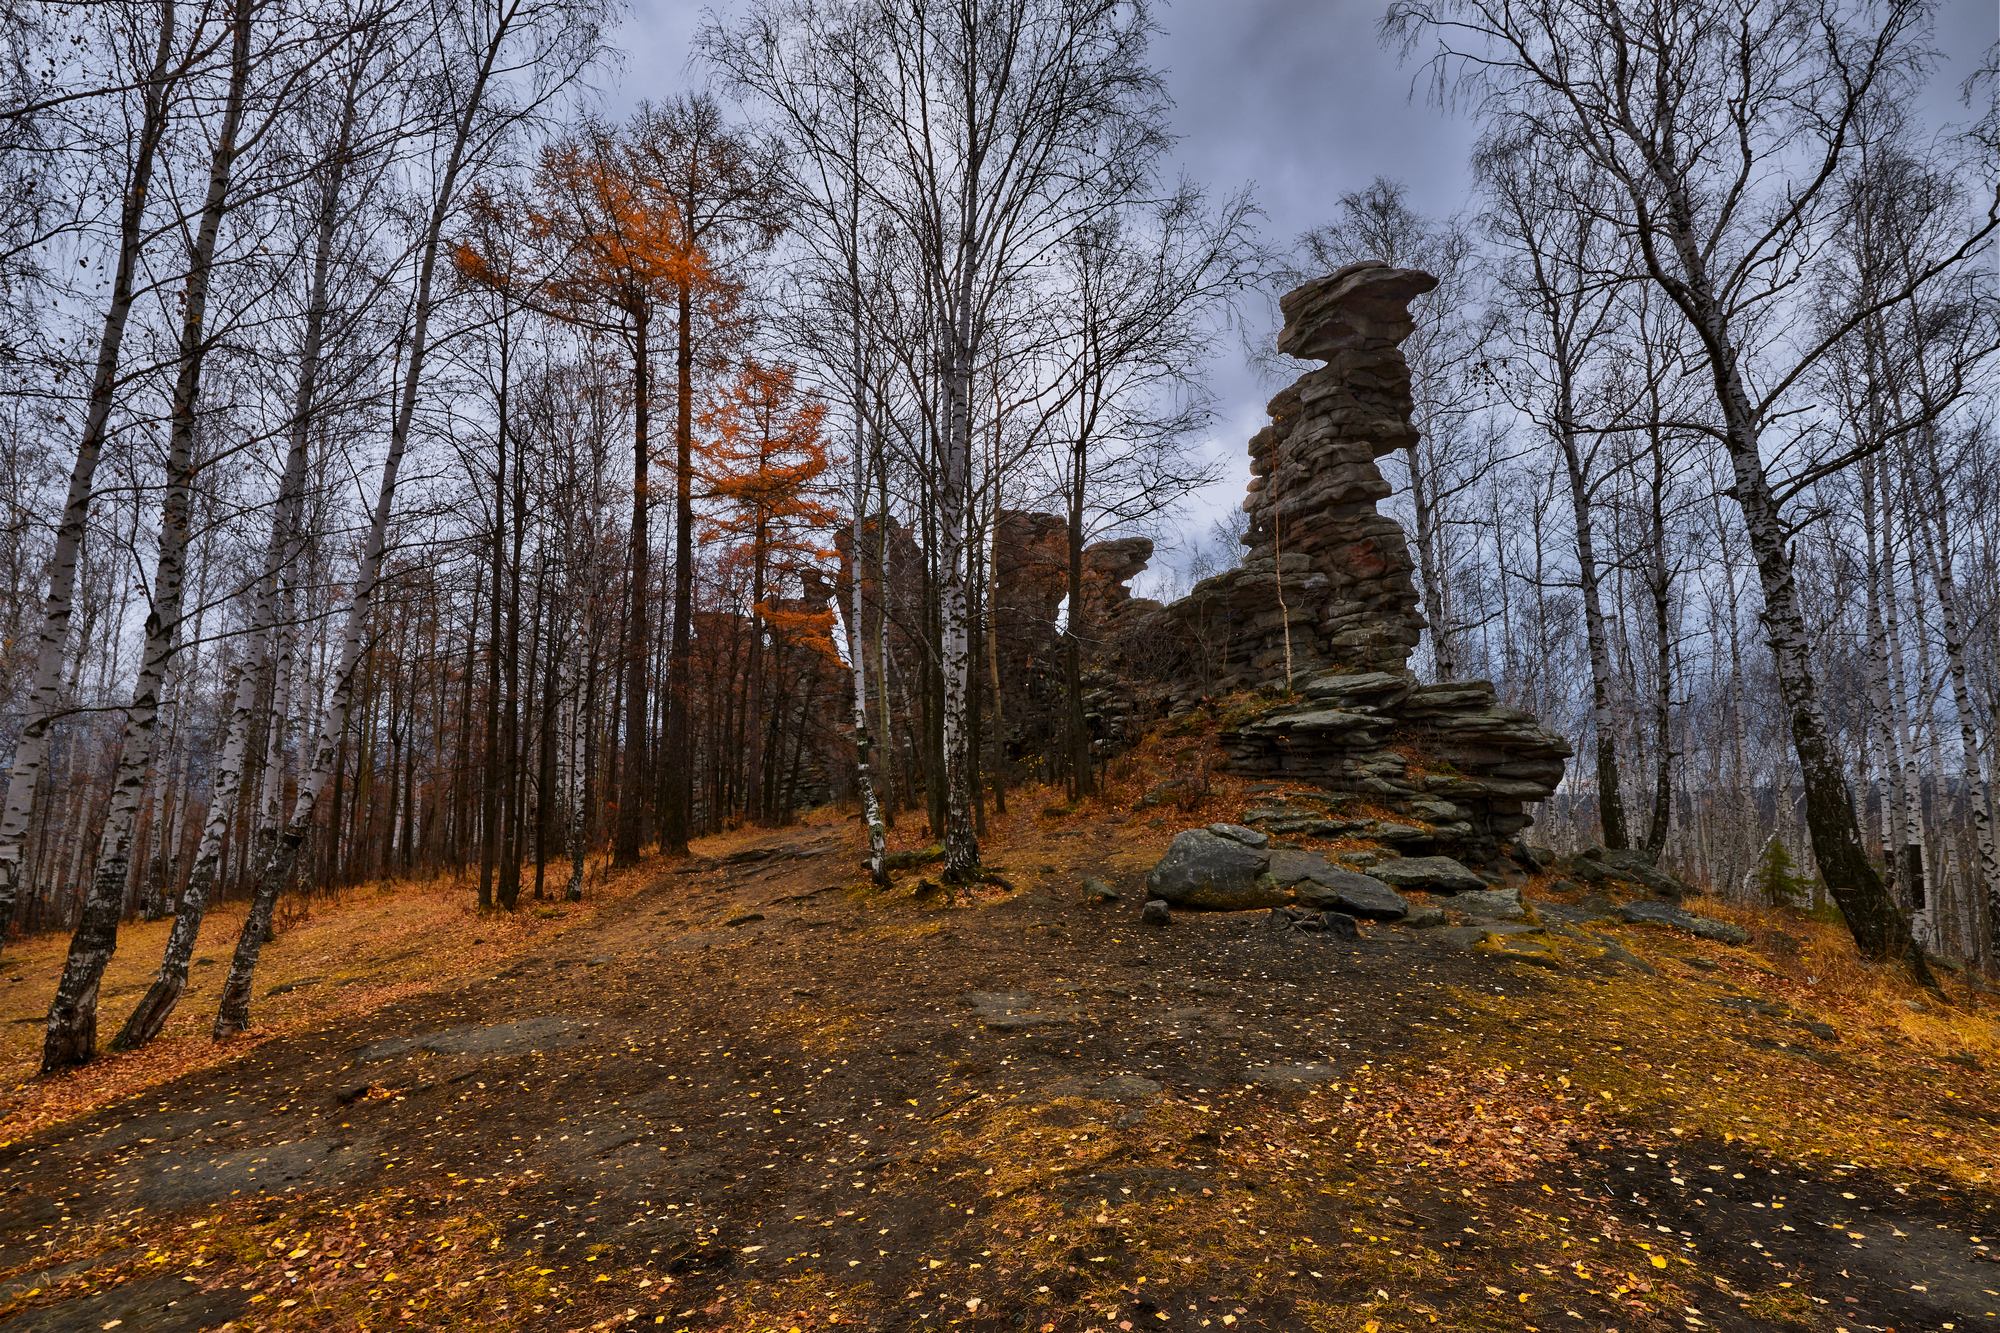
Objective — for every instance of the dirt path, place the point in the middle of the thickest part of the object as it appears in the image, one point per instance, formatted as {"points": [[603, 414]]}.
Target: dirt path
{"points": [[753, 1098]]}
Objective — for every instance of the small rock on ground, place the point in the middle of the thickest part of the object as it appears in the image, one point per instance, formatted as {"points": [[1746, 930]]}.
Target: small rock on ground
{"points": [[1679, 918]]}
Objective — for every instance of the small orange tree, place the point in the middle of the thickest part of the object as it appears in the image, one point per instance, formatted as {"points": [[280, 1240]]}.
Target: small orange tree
{"points": [[764, 462]]}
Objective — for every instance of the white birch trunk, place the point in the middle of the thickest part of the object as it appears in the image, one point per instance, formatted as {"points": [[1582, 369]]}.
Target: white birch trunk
{"points": [[233, 1014], [265, 637], [961, 844], [1973, 777], [72, 1024], [31, 751], [857, 637]]}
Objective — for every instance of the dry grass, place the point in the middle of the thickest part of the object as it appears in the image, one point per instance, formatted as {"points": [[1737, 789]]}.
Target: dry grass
{"points": [[334, 958], [1905, 1083]]}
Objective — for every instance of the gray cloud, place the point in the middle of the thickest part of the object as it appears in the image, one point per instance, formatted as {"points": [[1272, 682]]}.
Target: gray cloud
{"points": [[1299, 99]]}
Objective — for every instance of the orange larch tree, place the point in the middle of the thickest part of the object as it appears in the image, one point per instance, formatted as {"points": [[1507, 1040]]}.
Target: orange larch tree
{"points": [[764, 464], [611, 252]]}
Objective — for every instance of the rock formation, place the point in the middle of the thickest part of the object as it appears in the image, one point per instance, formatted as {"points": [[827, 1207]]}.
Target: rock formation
{"points": [[1326, 581], [1323, 610]]}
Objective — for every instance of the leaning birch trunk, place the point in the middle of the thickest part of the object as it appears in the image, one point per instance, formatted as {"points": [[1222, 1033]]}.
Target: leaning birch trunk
{"points": [[1880, 929], [31, 751], [233, 1013], [264, 634], [1878, 925], [72, 1024]]}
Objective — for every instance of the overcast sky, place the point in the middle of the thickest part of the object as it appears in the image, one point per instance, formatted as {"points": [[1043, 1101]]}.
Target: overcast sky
{"points": [[1298, 99]]}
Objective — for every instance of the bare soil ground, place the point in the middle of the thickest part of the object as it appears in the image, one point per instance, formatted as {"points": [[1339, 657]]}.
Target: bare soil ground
{"points": [[757, 1096]]}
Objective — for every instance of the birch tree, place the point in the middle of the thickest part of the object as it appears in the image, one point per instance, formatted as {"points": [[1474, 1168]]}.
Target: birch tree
{"points": [[72, 1023], [1558, 284], [1724, 129], [1003, 125], [160, 55], [807, 63], [481, 51], [328, 190]]}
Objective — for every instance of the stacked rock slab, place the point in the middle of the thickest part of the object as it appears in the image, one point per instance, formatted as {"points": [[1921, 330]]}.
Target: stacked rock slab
{"points": [[1451, 759], [1326, 581], [1324, 600]]}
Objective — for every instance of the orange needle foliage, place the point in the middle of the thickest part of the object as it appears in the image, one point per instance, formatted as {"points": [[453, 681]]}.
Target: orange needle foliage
{"points": [[764, 461]]}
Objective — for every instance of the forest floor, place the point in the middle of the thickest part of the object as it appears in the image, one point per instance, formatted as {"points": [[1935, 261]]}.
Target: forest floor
{"points": [[758, 1095]]}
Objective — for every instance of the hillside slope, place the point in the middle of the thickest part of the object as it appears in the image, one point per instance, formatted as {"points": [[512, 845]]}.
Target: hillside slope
{"points": [[757, 1096]]}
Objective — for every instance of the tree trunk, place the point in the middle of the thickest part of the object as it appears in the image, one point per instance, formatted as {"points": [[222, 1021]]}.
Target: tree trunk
{"points": [[1604, 726], [679, 758], [31, 751], [1876, 922], [72, 1023], [961, 843], [233, 1014], [632, 792]]}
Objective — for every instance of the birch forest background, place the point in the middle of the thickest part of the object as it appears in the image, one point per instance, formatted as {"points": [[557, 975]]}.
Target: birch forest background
{"points": [[410, 471], [662, 669]]}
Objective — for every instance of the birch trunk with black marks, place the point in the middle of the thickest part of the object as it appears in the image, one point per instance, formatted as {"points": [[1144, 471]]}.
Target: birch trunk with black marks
{"points": [[961, 842], [264, 665], [857, 609], [31, 751], [1880, 929], [71, 1038], [1935, 531], [233, 1013]]}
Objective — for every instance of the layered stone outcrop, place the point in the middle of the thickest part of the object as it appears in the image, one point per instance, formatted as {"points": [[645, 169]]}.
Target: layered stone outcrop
{"points": [[1323, 609], [1326, 581]]}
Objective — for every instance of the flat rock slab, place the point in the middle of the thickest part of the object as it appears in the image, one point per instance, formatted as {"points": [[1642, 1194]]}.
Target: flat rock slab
{"points": [[1678, 918], [17, 1287], [1431, 874], [157, 1305], [1011, 1010], [1110, 1088], [541, 1033], [1291, 1075], [178, 1180]]}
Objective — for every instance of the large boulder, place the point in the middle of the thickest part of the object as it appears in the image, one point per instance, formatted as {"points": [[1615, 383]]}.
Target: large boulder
{"points": [[1601, 865], [1427, 874], [1318, 883], [1210, 870]]}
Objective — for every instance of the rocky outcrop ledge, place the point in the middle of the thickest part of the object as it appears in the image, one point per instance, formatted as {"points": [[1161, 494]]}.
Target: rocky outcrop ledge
{"points": [[1457, 764], [1323, 609]]}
